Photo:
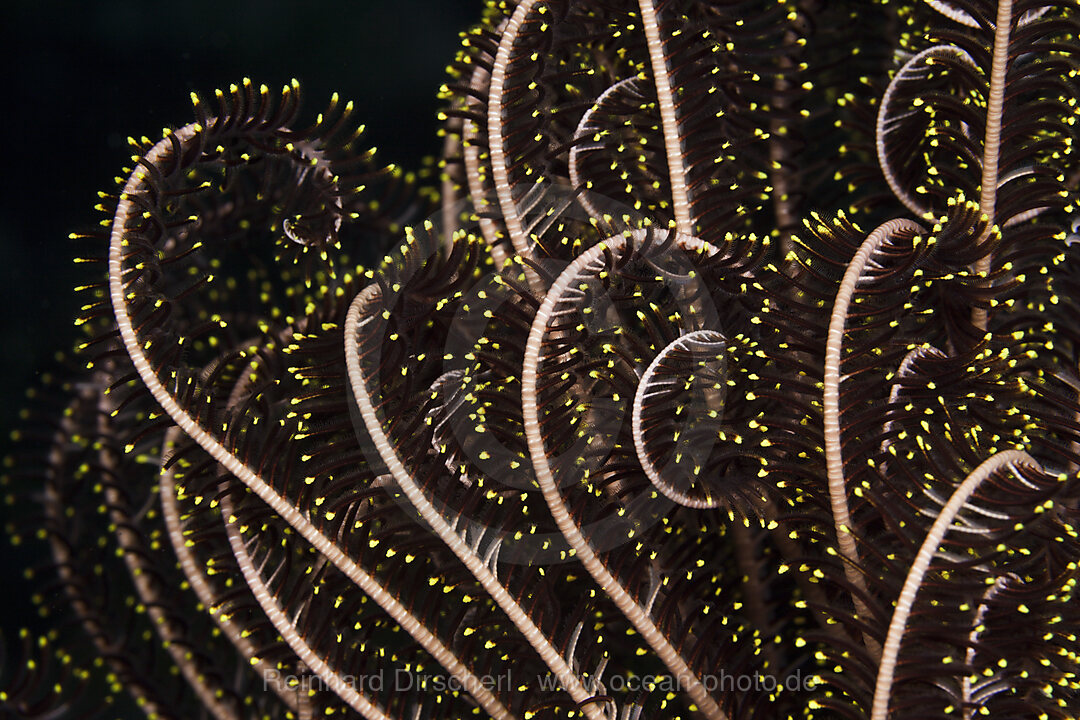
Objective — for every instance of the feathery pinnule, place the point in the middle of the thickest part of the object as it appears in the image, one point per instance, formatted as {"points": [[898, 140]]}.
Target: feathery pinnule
{"points": [[734, 373]]}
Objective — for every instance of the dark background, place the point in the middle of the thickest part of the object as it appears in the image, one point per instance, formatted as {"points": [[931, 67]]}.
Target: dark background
{"points": [[80, 76]]}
